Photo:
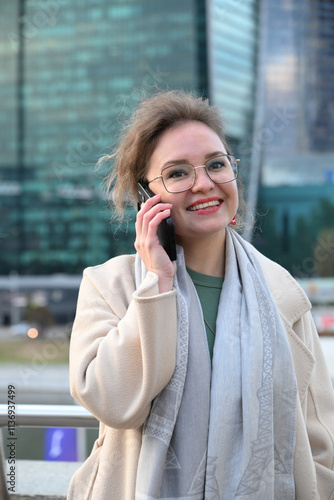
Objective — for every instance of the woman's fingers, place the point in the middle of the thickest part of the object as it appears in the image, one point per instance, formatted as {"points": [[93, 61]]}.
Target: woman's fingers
{"points": [[147, 242], [147, 224], [150, 216], [152, 219]]}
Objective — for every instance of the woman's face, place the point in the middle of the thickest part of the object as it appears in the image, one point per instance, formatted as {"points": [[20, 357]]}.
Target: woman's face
{"points": [[193, 142]]}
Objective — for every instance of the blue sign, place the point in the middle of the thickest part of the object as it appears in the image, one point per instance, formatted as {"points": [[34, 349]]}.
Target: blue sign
{"points": [[60, 444]]}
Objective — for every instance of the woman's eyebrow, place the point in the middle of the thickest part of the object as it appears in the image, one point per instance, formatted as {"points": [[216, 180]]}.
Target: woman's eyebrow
{"points": [[181, 161], [175, 162], [215, 153]]}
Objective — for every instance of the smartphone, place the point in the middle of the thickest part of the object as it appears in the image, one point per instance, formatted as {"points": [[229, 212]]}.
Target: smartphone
{"points": [[166, 233]]}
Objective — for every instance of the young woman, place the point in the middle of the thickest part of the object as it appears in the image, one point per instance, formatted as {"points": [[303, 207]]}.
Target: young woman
{"points": [[206, 373]]}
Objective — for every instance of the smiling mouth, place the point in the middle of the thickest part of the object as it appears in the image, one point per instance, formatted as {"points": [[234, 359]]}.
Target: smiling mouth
{"points": [[201, 206]]}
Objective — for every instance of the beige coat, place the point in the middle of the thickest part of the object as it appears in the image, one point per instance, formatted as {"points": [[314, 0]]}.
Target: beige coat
{"points": [[123, 354]]}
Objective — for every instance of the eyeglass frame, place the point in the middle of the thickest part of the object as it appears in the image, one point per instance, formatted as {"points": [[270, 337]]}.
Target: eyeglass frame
{"points": [[194, 177]]}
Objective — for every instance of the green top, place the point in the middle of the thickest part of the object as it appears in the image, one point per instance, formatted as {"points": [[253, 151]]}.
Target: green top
{"points": [[208, 290]]}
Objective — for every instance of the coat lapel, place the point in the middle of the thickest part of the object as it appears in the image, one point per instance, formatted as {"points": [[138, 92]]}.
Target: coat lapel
{"points": [[303, 361], [292, 304]]}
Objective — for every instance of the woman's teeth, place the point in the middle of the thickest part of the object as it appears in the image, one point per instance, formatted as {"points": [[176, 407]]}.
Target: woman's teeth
{"points": [[200, 206]]}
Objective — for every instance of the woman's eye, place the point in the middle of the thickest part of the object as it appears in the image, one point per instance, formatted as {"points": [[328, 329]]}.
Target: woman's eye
{"points": [[177, 173], [217, 165]]}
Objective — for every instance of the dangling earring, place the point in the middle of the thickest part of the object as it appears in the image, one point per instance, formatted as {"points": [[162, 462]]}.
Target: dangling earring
{"points": [[234, 220]]}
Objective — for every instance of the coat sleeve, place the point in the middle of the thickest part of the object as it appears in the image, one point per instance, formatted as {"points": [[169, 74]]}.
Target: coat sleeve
{"points": [[320, 414], [120, 361]]}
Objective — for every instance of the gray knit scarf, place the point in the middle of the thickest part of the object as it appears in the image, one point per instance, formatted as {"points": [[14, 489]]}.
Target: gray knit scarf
{"points": [[226, 431]]}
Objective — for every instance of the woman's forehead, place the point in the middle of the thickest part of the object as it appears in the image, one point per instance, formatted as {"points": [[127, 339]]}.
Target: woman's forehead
{"points": [[188, 142]]}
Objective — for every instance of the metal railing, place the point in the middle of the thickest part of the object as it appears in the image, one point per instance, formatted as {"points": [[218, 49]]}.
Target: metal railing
{"points": [[40, 416]]}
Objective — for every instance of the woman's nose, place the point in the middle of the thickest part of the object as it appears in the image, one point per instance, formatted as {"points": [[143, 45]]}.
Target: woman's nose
{"points": [[202, 180]]}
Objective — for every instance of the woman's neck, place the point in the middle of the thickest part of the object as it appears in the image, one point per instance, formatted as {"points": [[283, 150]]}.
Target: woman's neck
{"points": [[206, 255]]}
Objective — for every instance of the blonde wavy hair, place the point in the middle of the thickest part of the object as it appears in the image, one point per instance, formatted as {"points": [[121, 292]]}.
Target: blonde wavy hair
{"points": [[138, 139]]}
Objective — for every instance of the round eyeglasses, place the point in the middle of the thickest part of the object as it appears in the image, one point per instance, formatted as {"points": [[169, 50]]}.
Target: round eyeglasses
{"points": [[178, 178]]}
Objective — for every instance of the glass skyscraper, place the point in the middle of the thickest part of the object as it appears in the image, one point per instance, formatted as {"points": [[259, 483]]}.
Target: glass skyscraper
{"points": [[296, 140], [71, 74], [298, 99], [233, 39]]}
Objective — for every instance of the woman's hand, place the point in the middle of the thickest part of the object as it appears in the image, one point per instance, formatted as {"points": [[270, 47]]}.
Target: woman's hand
{"points": [[147, 242]]}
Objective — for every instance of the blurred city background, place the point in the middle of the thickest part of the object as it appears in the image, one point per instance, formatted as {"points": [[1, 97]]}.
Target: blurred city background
{"points": [[71, 75]]}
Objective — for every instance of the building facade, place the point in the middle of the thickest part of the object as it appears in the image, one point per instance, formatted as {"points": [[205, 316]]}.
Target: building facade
{"points": [[72, 73], [295, 141], [298, 101]]}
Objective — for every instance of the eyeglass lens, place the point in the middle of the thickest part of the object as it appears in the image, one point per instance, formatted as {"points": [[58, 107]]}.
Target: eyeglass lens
{"points": [[220, 169]]}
